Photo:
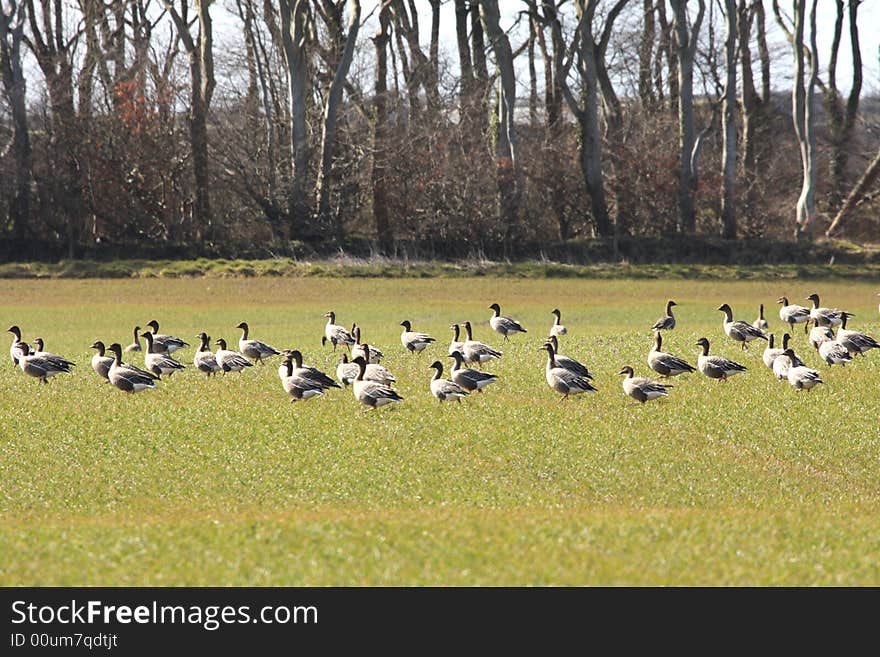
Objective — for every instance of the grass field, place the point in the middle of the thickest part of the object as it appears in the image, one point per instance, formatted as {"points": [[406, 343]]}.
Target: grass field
{"points": [[223, 482]]}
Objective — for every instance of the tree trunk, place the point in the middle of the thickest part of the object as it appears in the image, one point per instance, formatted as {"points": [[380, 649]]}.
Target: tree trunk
{"points": [[294, 18], [466, 86], [646, 49], [506, 156], [481, 72], [14, 84], [728, 122], [380, 135], [750, 105], [687, 37], [871, 176], [802, 113], [330, 115], [763, 52]]}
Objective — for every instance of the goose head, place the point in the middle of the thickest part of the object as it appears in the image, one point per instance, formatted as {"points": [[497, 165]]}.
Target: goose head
{"points": [[295, 355], [814, 298], [782, 300], [154, 325], [331, 316], [38, 342], [243, 326], [556, 312], [670, 304], [437, 365], [626, 369], [116, 350], [221, 343], [704, 343], [15, 331], [553, 341], [97, 344], [406, 325], [496, 308], [785, 338]]}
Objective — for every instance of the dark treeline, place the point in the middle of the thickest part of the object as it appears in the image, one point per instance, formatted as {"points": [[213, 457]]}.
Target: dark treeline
{"points": [[126, 129]]}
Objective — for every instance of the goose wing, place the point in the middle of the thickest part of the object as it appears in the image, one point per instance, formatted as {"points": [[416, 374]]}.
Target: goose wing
{"points": [[573, 366], [723, 364], [377, 391], [742, 331], [664, 324], [672, 363]]}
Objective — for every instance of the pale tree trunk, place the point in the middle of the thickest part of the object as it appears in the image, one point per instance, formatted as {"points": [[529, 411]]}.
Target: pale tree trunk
{"points": [[506, 156], [379, 171], [294, 20], [802, 112], [728, 123], [870, 177], [200, 52], [12, 17], [687, 36], [750, 105], [331, 113]]}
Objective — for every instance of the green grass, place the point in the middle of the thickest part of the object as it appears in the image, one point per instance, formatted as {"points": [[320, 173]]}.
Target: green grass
{"points": [[223, 482], [350, 267]]}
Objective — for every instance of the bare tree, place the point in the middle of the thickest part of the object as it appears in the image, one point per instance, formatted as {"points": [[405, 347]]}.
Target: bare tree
{"points": [[332, 104], [871, 175], [12, 19], [841, 121], [728, 118], [646, 49], [200, 51], [687, 39], [802, 104], [295, 19], [379, 173]]}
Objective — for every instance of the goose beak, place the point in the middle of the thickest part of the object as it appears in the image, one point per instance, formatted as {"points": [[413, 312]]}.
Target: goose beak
{"points": [[623, 371]]}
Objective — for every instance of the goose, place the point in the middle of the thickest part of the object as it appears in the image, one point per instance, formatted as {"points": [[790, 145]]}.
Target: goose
{"points": [[311, 374], [818, 334], [557, 328], [562, 380], [666, 364], [467, 378], [504, 325], [761, 323], [136, 345], [771, 352], [38, 342], [834, 353], [101, 363], [347, 372], [667, 322], [571, 364], [784, 362], [414, 341], [738, 330], [15, 350], [163, 344], [334, 333], [801, 377], [824, 316], [254, 349], [204, 360], [640, 388], [793, 314], [41, 366], [128, 378], [371, 393], [230, 360], [371, 354], [444, 389], [855, 342], [299, 388], [475, 351], [456, 344], [159, 363], [786, 338], [716, 367]]}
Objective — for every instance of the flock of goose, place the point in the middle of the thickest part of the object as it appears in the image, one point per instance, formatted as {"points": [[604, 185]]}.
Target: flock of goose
{"points": [[372, 383]]}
